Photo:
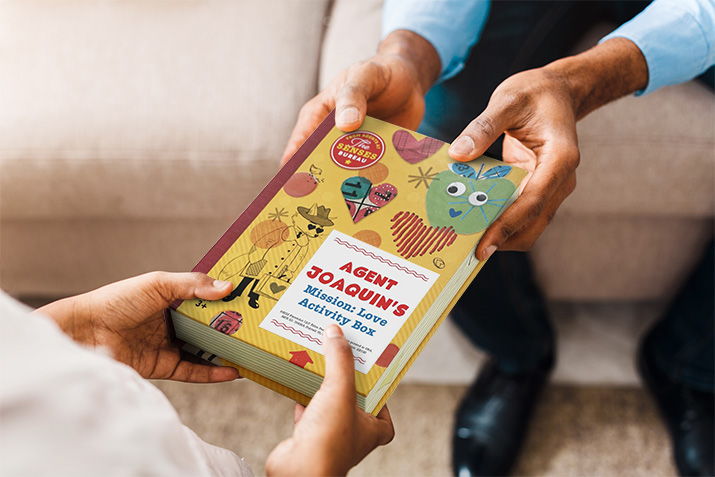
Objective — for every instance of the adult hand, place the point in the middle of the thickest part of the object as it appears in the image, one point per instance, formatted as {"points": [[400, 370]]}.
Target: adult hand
{"points": [[389, 86], [332, 434], [537, 111], [534, 111], [127, 318]]}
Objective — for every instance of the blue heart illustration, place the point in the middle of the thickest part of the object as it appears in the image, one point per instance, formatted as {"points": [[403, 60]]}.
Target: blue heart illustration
{"points": [[454, 213]]}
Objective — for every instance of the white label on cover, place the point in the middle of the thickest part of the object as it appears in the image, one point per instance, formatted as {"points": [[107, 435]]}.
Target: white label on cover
{"points": [[367, 291]]}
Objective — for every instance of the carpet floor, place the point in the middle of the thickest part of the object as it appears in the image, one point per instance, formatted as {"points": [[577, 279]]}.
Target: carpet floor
{"points": [[577, 431]]}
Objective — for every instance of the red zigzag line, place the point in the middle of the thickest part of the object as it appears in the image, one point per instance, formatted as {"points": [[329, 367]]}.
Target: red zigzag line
{"points": [[387, 262], [308, 337], [297, 332]]}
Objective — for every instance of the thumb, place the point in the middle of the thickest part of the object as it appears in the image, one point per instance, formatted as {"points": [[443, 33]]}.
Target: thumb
{"points": [[483, 130], [363, 81], [350, 109], [339, 366]]}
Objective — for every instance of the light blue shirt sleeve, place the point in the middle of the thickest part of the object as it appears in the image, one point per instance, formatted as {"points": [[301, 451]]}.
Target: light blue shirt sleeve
{"points": [[451, 26], [677, 38]]}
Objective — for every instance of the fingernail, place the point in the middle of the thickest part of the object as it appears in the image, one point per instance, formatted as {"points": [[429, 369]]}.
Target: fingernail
{"points": [[349, 116], [333, 331], [462, 146], [489, 251], [220, 284]]}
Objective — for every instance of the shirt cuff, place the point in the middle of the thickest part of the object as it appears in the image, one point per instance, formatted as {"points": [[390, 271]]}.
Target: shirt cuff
{"points": [[673, 36], [452, 27]]}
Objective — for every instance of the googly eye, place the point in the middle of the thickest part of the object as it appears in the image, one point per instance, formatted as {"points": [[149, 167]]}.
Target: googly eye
{"points": [[456, 189], [478, 198]]}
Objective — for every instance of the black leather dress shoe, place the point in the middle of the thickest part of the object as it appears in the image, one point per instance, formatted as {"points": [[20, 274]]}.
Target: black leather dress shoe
{"points": [[688, 415], [492, 420]]}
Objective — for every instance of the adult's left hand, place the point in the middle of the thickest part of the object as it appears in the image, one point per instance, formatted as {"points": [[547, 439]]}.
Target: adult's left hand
{"points": [[127, 318]]}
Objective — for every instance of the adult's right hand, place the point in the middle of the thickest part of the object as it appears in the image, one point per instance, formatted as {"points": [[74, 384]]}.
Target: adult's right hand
{"points": [[389, 86]]}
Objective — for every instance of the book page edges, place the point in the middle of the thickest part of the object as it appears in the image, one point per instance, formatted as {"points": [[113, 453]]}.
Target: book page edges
{"points": [[426, 339], [273, 386]]}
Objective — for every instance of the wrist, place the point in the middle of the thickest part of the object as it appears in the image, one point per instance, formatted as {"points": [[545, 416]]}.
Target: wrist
{"points": [[417, 53], [68, 315], [602, 74], [291, 458]]}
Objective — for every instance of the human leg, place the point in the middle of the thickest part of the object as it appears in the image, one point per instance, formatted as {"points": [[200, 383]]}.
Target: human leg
{"points": [[677, 363], [504, 312]]}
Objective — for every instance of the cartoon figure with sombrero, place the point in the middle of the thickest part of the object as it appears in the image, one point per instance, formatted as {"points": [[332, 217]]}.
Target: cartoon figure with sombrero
{"points": [[269, 270]]}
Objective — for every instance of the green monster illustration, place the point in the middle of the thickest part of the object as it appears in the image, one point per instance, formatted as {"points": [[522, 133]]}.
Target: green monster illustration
{"points": [[466, 200]]}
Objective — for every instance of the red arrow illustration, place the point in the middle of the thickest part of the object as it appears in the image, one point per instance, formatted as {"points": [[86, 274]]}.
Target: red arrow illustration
{"points": [[300, 358]]}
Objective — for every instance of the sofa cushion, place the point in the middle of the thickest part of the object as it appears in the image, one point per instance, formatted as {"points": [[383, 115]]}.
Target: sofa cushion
{"points": [[648, 156], [149, 109]]}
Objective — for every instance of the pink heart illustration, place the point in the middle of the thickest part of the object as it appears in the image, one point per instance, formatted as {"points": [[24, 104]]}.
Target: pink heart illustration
{"points": [[412, 150], [381, 194]]}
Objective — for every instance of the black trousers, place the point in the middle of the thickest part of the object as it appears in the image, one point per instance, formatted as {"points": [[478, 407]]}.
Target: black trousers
{"points": [[512, 323]]}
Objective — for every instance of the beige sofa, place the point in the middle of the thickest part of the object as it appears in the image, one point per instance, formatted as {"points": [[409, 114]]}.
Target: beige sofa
{"points": [[133, 133]]}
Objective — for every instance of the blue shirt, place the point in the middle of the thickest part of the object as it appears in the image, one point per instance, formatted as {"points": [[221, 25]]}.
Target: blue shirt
{"points": [[677, 37]]}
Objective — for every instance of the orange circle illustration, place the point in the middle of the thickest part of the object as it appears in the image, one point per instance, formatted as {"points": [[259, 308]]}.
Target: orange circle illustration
{"points": [[267, 233], [375, 173], [300, 184], [369, 236]]}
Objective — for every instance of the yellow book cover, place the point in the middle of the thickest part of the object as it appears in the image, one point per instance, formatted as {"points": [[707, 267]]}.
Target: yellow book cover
{"points": [[373, 230]]}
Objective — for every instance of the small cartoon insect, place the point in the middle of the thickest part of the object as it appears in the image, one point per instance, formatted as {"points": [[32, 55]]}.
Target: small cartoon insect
{"points": [[468, 200]]}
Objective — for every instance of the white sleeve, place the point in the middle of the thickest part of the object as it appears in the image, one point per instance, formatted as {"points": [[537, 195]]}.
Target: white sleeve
{"points": [[66, 410]]}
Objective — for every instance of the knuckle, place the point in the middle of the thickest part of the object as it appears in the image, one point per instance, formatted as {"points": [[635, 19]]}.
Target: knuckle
{"points": [[371, 67], [506, 230], [356, 68], [359, 70], [483, 126], [514, 98], [572, 156], [553, 180], [536, 208], [162, 284], [349, 89], [157, 277], [198, 276]]}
